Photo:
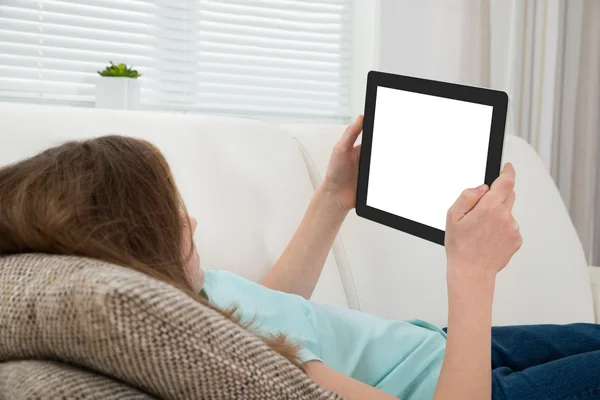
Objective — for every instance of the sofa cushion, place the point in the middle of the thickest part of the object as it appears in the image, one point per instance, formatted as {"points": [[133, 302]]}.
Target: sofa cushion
{"points": [[245, 181], [135, 329], [399, 276], [37, 379]]}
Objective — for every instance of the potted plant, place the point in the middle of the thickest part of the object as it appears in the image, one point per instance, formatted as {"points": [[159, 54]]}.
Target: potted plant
{"points": [[118, 88]]}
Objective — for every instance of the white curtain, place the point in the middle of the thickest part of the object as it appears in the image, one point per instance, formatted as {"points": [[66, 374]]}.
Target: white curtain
{"points": [[544, 53]]}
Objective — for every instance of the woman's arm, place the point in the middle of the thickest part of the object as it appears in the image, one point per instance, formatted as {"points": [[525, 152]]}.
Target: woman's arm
{"points": [[299, 267], [466, 372], [481, 238]]}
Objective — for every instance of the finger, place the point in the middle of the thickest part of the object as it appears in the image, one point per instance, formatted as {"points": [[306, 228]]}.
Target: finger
{"points": [[357, 149], [466, 201], [507, 174], [504, 185], [352, 132], [510, 201]]}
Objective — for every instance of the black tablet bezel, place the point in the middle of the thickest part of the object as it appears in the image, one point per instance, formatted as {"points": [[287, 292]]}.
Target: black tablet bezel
{"points": [[497, 99]]}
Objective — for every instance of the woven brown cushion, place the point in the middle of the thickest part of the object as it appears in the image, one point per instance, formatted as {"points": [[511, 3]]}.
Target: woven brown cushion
{"points": [[135, 329], [34, 379]]}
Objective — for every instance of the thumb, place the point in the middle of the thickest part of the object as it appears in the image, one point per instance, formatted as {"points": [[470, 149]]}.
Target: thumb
{"points": [[466, 201], [351, 133]]}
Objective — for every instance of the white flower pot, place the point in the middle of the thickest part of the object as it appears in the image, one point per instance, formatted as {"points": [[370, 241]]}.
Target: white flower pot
{"points": [[118, 93]]}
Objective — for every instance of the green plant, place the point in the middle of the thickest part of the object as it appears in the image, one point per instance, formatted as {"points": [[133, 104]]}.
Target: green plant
{"points": [[120, 70]]}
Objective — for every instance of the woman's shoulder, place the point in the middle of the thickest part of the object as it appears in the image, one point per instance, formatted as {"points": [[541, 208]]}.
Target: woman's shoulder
{"points": [[217, 277], [226, 289], [225, 281]]}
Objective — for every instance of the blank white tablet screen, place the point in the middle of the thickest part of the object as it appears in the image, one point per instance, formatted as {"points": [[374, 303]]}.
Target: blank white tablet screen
{"points": [[425, 151]]}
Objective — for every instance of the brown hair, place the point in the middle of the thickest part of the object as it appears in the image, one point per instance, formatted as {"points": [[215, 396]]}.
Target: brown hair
{"points": [[111, 198]]}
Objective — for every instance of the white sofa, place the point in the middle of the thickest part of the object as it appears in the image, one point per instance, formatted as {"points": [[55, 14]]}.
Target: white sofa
{"points": [[249, 182]]}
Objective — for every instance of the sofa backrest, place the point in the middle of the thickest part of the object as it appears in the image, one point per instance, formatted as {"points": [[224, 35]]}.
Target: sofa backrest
{"points": [[245, 181], [247, 184], [396, 275]]}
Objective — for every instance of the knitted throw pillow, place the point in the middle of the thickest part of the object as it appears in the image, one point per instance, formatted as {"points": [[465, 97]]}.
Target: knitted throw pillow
{"points": [[130, 327], [36, 379]]}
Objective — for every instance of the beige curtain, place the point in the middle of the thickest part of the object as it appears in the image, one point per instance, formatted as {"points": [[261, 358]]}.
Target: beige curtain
{"points": [[553, 77], [585, 187]]}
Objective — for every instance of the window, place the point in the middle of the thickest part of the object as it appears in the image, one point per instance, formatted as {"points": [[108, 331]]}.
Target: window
{"points": [[269, 59]]}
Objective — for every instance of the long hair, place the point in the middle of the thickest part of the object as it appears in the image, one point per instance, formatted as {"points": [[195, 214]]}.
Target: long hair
{"points": [[111, 198]]}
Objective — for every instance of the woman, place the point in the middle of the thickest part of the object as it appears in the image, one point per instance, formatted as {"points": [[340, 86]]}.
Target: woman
{"points": [[114, 199]]}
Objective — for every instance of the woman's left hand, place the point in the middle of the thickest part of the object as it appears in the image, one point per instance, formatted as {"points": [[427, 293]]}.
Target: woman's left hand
{"points": [[342, 172]]}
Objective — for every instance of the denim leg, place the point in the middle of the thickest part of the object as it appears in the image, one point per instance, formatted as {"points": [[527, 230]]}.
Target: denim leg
{"points": [[576, 377], [521, 347]]}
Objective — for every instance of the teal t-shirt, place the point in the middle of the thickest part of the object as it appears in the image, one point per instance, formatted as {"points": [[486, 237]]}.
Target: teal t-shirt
{"points": [[402, 358]]}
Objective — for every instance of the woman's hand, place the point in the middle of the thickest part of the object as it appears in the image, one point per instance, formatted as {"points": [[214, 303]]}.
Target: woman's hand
{"points": [[481, 233], [342, 172], [299, 267], [481, 238]]}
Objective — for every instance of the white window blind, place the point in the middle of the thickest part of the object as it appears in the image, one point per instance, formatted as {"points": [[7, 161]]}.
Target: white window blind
{"points": [[270, 59]]}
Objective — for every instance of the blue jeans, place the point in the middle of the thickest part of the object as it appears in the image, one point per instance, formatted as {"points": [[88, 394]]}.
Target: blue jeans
{"points": [[546, 362], [534, 362]]}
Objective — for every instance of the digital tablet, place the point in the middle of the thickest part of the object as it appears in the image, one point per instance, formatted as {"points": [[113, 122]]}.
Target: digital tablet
{"points": [[423, 143]]}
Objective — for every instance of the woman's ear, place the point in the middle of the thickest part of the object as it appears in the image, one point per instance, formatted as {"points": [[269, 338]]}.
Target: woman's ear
{"points": [[193, 224]]}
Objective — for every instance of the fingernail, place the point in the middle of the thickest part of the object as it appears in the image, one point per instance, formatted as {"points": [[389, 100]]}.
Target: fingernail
{"points": [[482, 188]]}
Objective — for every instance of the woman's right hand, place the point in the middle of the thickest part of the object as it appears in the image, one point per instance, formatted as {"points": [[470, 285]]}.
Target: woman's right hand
{"points": [[481, 233], [481, 238]]}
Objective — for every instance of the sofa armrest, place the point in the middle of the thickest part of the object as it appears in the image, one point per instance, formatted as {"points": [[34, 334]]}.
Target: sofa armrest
{"points": [[595, 281]]}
